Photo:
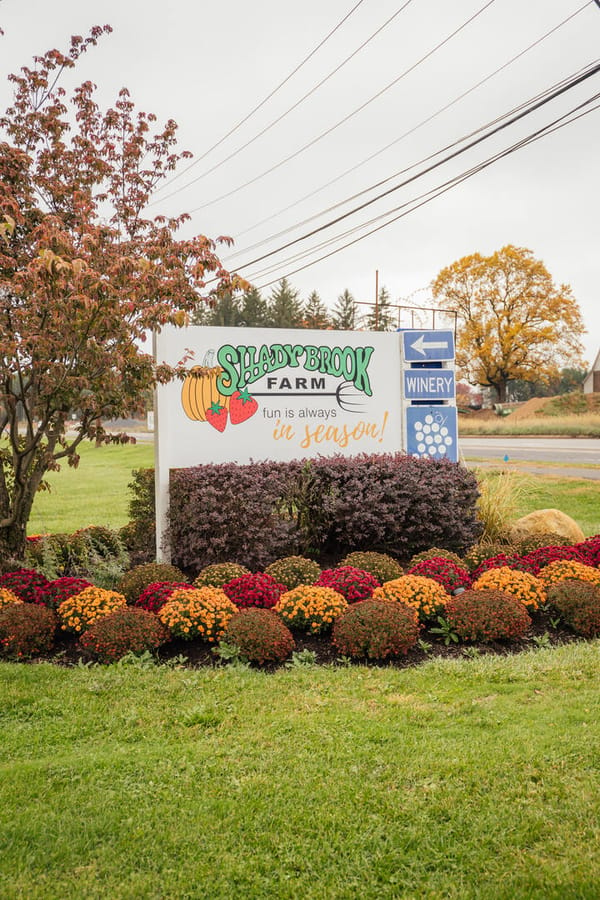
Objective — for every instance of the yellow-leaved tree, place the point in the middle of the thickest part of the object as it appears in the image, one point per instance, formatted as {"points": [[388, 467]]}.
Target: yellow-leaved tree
{"points": [[514, 323]]}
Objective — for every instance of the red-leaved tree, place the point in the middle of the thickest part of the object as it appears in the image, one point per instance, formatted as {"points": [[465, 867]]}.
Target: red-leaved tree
{"points": [[85, 272]]}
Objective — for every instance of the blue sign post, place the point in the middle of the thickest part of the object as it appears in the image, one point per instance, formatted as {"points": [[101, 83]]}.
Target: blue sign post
{"points": [[432, 431], [429, 384], [425, 346]]}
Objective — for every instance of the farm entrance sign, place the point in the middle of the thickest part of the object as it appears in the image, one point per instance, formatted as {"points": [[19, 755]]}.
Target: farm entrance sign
{"points": [[253, 394]]}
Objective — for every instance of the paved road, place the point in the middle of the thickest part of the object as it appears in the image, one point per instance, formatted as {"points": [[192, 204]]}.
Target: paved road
{"points": [[569, 453]]}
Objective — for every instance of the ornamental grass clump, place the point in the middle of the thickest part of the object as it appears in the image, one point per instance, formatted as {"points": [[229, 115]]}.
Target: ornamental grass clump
{"points": [[61, 589], [25, 583], [79, 612], [578, 603], [218, 574], [294, 570], [203, 613], [260, 591], [446, 572], [156, 595], [568, 568], [7, 597], [260, 636], [521, 585], [310, 608], [137, 579], [352, 583], [125, 631], [487, 615], [382, 566], [423, 594], [26, 629], [376, 629]]}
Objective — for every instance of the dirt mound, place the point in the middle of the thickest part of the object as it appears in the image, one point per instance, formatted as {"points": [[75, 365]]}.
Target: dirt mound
{"points": [[529, 408]]}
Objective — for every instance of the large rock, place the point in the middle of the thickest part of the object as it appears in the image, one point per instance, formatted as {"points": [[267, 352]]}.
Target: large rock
{"points": [[548, 520]]}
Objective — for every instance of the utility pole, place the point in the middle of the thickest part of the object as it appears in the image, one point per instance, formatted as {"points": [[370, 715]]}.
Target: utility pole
{"points": [[377, 296]]}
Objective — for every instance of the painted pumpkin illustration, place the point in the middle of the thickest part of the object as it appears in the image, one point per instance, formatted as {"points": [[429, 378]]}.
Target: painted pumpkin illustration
{"points": [[200, 392]]}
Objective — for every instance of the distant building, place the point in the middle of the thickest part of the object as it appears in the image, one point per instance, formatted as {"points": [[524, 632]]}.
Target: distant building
{"points": [[591, 383]]}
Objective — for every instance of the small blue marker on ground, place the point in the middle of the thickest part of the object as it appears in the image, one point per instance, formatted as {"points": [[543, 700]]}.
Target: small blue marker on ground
{"points": [[506, 457]]}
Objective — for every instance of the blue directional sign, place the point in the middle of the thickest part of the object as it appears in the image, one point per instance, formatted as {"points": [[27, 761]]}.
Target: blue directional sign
{"points": [[429, 384], [423, 346], [432, 431]]}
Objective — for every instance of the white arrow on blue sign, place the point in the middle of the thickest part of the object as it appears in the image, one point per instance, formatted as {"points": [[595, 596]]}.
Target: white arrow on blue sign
{"points": [[432, 431], [422, 346], [429, 384]]}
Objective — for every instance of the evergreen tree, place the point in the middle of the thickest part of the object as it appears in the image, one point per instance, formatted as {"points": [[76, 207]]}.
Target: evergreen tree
{"points": [[315, 314], [285, 307], [384, 317], [226, 311], [344, 312], [254, 310]]}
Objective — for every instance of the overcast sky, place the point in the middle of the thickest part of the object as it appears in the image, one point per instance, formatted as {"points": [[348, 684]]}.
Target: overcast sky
{"points": [[209, 65]]}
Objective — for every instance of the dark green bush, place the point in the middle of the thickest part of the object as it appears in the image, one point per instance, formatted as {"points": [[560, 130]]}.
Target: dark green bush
{"points": [[133, 582], [125, 631], [376, 629], [26, 629], [260, 636], [294, 570], [578, 602]]}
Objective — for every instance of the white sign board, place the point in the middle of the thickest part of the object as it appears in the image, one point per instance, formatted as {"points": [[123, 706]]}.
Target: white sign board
{"points": [[256, 394]]}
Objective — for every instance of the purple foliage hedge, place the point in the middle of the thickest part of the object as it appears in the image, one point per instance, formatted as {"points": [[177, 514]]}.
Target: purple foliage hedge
{"points": [[254, 514]]}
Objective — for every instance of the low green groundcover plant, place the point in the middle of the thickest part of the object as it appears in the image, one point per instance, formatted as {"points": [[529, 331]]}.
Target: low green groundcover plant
{"points": [[376, 629], [487, 615], [26, 629], [578, 603], [260, 636], [125, 631]]}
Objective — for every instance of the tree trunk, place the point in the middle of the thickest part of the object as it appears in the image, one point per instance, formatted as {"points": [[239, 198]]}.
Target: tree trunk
{"points": [[13, 542]]}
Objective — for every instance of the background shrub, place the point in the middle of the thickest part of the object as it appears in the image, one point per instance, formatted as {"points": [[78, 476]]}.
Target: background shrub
{"points": [[202, 612], [80, 611], [26, 629], [258, 590], [310, 608], [578, 602], [294, 570], [353, 584], [132, 583], [381, 565], [260, 636], [156, 594], [27, 584], [445, 571], [376, 629], [521, 585], [139, 535], [424, 594], [219, 574], [488, 615], [124, 631], [61, 589]]}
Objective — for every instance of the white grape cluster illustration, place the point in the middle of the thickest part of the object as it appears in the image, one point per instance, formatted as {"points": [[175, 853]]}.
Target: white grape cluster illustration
{"points": [[432, 436]]}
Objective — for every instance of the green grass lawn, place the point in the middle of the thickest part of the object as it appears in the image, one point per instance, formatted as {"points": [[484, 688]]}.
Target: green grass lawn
{"points": [[93, 494], [458, 779]]}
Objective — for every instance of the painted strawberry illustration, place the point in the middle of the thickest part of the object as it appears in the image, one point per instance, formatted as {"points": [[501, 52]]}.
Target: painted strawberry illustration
{"points": [[241, 406], [216, 415]]}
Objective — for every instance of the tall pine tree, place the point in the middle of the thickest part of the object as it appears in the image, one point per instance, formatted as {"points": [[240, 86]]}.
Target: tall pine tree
{"points": [[254, 310], [315, 314], [383, 317], [285, 307], [345, 314]]}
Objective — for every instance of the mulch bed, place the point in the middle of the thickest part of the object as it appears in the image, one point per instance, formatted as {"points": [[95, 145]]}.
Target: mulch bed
{"points": [[199, 654]]}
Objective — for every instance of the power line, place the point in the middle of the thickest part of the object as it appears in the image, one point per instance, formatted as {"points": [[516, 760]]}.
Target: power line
{"points": [[433, 194], [342, 121], [392, 143], [266, 99], [290, 109], [565, 86]]}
